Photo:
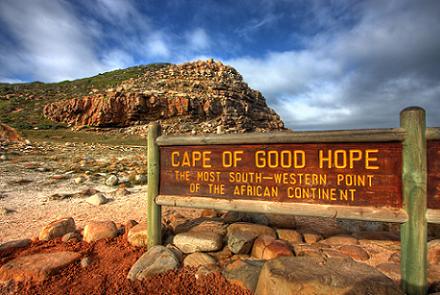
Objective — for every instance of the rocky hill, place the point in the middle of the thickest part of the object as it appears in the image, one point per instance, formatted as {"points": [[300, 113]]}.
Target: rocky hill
{"points": [[196, 97]]}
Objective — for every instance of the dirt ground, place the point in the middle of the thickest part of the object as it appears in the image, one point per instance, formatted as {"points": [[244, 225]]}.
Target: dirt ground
{"points": [[106, 274], [34, 177]]}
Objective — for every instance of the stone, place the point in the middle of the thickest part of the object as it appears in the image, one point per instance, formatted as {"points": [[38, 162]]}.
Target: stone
{"points": [[15, 244], [201, 224], [198, 259], [313, 250], [198, 241], [138, 235], [140, 179], [97, 199], [355, 252], [112, 180], [85, 262], [72, 236], [312, 275], [434, 251], [57, 229], [240, 242], [156, 260], [36, 267], [256, 229], [243, 273], [311, 237], [79, 179], [289, 235], [176, 251], [341, 240], [129, 224], [97, 230], [223, 256], [260, 245], [276, 249], [4, 157], [391, 270]]}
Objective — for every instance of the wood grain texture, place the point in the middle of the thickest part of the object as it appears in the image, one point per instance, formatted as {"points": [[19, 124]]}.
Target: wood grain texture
{"points": [[154, 214], [434, 174], [330, 211], [414, 231], [346, 136], [384, 190]]}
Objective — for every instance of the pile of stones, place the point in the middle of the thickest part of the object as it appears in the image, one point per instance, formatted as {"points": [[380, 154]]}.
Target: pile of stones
{"points": [[274, 256]]}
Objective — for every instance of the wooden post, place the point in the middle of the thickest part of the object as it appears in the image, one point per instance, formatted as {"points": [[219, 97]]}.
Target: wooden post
{"points": [[154, 215], [414, 177]]}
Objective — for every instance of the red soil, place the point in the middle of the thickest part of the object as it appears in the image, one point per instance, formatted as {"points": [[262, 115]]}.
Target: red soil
{"points": [[110, 262]]}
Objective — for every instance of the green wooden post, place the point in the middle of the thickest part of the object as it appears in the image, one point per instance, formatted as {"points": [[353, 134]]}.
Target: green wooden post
{"points": [[414, 177], [154, 214]]}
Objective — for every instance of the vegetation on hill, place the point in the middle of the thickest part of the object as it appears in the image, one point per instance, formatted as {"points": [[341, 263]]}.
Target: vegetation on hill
{"points": [[21, 104]]}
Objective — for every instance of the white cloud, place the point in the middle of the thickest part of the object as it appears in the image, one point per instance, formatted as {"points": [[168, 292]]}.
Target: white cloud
{"points": [[356, 77], [51, 41], [157, 46], [198, 40]]}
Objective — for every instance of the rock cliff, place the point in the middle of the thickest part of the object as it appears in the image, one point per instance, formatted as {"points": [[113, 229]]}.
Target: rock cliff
{"points": [[195, 97]]}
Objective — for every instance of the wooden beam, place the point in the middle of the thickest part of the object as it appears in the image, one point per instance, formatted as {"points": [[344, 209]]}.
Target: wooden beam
{"points": [[363, 135], [433, 133], [303, 209], [433, 216], [414, 178], [154, 214]]}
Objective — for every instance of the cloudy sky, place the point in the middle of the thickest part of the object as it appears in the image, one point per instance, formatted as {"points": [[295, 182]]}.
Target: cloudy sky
{"points": [[320, 64]]}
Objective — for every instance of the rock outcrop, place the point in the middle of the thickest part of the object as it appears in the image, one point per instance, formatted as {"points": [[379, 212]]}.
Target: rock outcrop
{"points": [[9, 134], [193, 97]]}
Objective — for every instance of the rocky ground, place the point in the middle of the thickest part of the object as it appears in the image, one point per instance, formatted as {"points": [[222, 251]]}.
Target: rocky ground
{"points": [[76, 214]]}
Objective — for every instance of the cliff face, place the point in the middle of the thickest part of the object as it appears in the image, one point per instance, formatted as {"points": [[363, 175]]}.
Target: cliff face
{"points": [[192, 97]]}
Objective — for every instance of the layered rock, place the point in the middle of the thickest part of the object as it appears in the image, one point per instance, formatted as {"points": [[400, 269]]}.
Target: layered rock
{"points": [[180, 96]]}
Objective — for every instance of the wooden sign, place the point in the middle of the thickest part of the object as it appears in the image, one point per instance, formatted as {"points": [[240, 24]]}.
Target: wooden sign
{"points": [[433, 174], [356, 174]]}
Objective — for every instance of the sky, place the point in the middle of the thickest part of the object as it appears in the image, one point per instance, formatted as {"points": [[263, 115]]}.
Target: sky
{"points": [[320, 64]]}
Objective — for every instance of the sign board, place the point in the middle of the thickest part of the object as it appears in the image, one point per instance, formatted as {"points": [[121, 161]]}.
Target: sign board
{"points": [[433, 152], [390, 175], [367, 174]]}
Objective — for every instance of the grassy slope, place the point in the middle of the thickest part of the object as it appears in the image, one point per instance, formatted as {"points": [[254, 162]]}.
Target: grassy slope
{"points": [[23, 113]]}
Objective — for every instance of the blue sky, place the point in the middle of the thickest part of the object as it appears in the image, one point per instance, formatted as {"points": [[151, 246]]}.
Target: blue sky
{"points": [[320, 64]]}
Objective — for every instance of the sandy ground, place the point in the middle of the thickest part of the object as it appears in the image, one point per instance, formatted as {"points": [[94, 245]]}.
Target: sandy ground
{"points": [[25, 188]]}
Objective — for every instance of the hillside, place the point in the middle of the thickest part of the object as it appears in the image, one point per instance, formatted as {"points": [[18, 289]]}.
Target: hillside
{"points": [[21, 104], [195, 97]]}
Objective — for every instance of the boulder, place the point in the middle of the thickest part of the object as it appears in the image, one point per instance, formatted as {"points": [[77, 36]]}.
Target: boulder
{"points": [[36, 267], [355, 252], [240, 242], [312, 275], [341, 240], [198, 259], [156, 260], [57, 228], [112, 180], [243, 273], [260, 245], [72, 236], [138, 235], [311, 237], [97, 230], [15, 244], [289, 235], [256, 229], [97, 199], [198, 241]]}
